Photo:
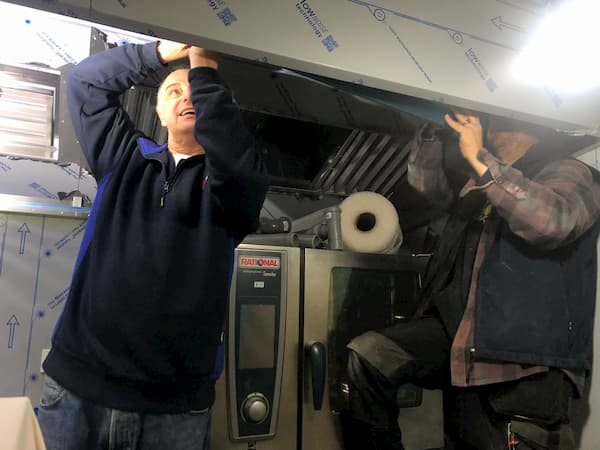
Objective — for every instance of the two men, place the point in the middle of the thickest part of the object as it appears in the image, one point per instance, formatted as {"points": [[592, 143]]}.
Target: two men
{"points": [[508, 298], [139, 346]]}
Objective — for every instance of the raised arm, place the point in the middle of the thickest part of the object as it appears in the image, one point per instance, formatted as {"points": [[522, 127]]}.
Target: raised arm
{"points": [[553, 209], [104, 130], [233, 163], [220, 129]]}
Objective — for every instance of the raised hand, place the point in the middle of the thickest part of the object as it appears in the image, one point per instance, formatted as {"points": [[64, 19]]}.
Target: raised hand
{"points": [[468, 128], [169, 51], [201, 57]]}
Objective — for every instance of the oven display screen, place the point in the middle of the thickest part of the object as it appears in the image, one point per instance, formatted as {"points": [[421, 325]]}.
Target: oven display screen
{"points": [[256, 337]]}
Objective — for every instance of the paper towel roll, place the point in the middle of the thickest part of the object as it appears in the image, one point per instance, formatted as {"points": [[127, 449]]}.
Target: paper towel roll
{"points": [[369, 224]]}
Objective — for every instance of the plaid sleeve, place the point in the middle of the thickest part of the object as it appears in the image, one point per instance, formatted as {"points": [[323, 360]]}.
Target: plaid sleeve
{"points": [[426, 171], [553, 209]]}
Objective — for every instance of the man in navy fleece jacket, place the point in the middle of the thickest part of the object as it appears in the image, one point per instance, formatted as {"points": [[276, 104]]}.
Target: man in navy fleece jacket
{"points": [[139, 346]]}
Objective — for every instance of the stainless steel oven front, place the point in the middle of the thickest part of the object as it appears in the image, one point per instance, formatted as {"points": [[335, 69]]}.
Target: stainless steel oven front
{"points": [[256, 404], [291, 313]]}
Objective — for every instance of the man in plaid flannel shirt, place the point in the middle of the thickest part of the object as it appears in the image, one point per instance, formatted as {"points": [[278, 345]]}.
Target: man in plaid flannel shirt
{"points": [[508, 298]]}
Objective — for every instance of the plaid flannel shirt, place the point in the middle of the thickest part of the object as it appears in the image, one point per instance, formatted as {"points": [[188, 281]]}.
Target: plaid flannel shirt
{"points": [[554, 208]]}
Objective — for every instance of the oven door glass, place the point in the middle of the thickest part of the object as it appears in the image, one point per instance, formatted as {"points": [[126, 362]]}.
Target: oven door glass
{"points": [[361, 300]]}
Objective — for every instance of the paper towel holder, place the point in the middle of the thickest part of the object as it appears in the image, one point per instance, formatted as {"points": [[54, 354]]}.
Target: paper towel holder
{"points": [[327, 223]]}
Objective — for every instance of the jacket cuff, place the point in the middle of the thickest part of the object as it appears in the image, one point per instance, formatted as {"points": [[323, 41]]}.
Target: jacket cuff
{"points": [[495, 167], [485, 179], [150, 55], [205, 75]]}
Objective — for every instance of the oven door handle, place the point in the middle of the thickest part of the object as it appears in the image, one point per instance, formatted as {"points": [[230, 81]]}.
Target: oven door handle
{"points": [[317, 355]]}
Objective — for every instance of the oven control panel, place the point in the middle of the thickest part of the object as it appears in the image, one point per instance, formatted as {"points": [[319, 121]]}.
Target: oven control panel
{"points": [[256, 333]]}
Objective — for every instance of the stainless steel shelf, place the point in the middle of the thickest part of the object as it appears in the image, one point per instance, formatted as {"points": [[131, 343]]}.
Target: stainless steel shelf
{"points": [[41, 206]]}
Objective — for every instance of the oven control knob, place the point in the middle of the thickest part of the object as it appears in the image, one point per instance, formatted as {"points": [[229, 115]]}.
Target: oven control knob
{"points": [[255, 408]]}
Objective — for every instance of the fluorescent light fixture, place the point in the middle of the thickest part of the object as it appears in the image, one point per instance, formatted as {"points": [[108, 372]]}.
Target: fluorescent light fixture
{"points": [[563, 52]]}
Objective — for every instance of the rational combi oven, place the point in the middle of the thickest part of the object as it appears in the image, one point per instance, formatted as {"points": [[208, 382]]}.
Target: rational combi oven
{"points": [[292, 312]]}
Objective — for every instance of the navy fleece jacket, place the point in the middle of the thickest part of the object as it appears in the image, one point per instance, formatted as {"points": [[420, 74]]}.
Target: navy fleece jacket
{"points": [[142, 328]]}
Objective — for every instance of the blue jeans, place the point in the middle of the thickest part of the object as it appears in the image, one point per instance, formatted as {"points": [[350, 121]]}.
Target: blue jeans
{"points": [[72, 423]]}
